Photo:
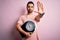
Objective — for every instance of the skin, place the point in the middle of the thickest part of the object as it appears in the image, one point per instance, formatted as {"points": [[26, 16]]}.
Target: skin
{"points": [[30, 9]]}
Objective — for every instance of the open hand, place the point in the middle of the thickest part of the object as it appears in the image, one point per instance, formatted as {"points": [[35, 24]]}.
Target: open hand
{"points": [[40, 7], [28, 35]]}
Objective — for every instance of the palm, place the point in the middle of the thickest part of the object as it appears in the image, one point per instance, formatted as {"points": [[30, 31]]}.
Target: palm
{"points": [[40, 7]]}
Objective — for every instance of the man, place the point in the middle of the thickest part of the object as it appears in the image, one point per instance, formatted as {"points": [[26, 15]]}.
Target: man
{"points": [[32, 17]]}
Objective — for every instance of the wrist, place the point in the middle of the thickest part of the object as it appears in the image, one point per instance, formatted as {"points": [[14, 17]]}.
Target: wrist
{"points": [[41, 14]]}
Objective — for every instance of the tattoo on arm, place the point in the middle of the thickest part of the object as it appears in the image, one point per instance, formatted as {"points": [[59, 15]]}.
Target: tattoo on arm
{"points": [[41, 15]]}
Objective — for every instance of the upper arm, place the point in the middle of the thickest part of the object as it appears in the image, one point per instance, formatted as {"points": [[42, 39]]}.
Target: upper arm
{"points": [[20, 21]]}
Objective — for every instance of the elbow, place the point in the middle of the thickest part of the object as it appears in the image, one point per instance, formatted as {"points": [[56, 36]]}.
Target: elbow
{"points": [[17, 26], [37, 19]]}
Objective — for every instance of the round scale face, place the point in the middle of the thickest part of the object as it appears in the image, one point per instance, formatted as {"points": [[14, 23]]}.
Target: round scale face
{"points": [[30, 26]]}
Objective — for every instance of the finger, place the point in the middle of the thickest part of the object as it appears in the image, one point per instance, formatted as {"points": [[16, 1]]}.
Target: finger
{"points": [[38, 3], [41, 5]]}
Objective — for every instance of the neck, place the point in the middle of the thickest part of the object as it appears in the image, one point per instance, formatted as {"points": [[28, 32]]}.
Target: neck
{"points": [[30, 13]]}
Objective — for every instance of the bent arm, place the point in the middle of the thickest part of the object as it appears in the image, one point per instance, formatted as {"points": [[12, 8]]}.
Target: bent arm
{"points": [[40, 11], [27, 34], [20, 29]]}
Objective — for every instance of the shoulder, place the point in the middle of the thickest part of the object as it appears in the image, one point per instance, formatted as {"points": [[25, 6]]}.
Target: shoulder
{"points": [[23, 16]]}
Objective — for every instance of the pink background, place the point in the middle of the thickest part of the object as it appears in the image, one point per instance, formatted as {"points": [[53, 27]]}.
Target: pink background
{"points": [[10, 10]]}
